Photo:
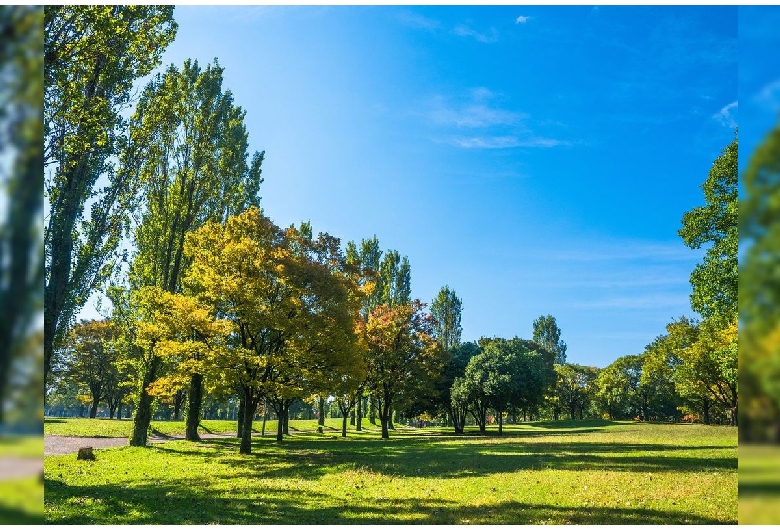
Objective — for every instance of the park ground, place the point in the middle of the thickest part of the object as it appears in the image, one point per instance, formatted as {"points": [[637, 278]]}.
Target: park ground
{"points": [[21, 489], [759, 484], [579, 472]]}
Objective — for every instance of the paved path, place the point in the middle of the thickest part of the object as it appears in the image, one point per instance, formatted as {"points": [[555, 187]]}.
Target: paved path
{"points": [[66, 445], [12, 467]]}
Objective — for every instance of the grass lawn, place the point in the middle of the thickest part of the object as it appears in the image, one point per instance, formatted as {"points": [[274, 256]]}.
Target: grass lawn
{"points": [[21, 446], [540, 473], [122, 428], [21, 501], [759, 484]]}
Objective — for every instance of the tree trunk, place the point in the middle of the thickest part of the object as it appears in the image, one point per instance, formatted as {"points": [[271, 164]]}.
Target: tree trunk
{"points": [[143, 414], [195, 399], [111, 411], [321, 419], [359, 414], [246, 427], [390, 419], [119, 410], [500, 422], [178, 402], [344, 426], [286, 418], [240, 414], [371, 411], [265, 416], [352, 418], [94, 407]]}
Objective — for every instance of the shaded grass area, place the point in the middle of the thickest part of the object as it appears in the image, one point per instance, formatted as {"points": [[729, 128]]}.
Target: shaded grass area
{"points": [[759, 484], [597, 473], [21, 501]]}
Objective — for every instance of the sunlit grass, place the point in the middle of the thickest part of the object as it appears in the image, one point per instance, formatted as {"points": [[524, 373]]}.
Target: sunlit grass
{"points": [[570, 472], [759, 484], [21, 501], [21, 446]]}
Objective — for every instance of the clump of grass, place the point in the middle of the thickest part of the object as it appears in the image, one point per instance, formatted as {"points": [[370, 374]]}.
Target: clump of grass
{"points": [[614, 473]]}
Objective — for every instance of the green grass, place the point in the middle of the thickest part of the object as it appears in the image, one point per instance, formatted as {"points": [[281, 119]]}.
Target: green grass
{"points": [[122, 428], [540, 473], [759, 484], [21, 446], [21, 501]]}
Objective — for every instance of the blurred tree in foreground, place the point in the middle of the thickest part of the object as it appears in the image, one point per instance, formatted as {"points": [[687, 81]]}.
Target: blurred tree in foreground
{"points": [[759, 294], [21, 164]]}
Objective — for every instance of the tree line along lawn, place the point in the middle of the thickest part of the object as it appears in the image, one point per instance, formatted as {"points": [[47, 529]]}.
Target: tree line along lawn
{"points": [[592, 472], [759, 484]]}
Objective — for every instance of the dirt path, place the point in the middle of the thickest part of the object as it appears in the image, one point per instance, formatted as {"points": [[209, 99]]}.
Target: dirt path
{"points": [[12, 467], [66, 445]]}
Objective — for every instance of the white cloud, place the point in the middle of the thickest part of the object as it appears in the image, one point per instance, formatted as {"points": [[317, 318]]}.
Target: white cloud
{"points": [[465, 31], [417, 21], [503, 142], [769, 96], [521, 19], [727, 115]]}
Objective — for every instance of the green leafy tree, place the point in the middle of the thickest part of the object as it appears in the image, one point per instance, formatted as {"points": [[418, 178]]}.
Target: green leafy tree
{"points": [[715, 280], [548, 335], [92, 359], [403, 358], [92, 55], [576, 387], [446, 309], [21, 129], [456, 405]]}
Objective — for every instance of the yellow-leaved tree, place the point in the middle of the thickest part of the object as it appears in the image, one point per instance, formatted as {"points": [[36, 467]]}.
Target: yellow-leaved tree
{"points": [[290, 305]]}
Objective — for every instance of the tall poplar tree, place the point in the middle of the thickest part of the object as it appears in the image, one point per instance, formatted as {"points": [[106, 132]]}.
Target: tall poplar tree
{"points": [[92, 56], [548, 335], [188, 145], [446, 308]]}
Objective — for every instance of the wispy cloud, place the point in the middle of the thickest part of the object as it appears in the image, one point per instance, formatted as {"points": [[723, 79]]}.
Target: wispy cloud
{"points": [[521, 19], [503, 142], [417, 21], [489, 124], [769, 96], [727, 115], [465, 31]]}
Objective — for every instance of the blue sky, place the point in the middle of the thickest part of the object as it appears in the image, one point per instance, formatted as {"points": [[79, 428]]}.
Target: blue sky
{"points": [[537, 160]]}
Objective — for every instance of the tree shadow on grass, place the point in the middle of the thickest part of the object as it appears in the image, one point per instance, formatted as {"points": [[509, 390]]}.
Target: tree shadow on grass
{"points": [[759, 489], [17, 516], [310, 459], [175, 502]]}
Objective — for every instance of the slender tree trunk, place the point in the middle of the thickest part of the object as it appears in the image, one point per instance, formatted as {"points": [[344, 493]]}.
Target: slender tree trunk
{"points": [[265, 416], [359, 414], [344, 426], [286, 418], [143, 413], [390, 419], [119, 410], [321, 419], [246, 427], [352, 418], [93, 408], [500, 422], [372, 410], [240, 417], [193, 411]]}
